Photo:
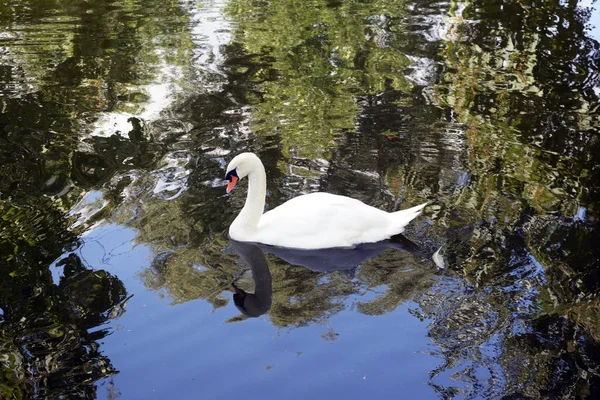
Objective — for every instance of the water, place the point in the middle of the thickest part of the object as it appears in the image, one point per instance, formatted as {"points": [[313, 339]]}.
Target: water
{"points": [[117, 120]]}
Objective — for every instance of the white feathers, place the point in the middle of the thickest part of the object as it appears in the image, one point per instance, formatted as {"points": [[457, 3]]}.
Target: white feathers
{"points": [[312, 221], [438, 258]]}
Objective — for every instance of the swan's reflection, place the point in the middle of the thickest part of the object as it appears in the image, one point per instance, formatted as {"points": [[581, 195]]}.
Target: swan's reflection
{"points": [[257, 303], [322, 260]]}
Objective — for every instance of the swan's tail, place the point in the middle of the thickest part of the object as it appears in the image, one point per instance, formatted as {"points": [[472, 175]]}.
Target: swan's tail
{"points": [[403, 217]]}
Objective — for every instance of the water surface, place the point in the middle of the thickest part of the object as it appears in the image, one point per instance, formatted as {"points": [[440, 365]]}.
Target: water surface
{"points": [[117, 120]]}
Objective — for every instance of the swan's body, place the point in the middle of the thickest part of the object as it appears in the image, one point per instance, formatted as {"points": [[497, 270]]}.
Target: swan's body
{"points": [[312, 221]]}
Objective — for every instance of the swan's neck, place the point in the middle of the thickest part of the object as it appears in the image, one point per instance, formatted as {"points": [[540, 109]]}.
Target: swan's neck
{"points": [[247, 220]]}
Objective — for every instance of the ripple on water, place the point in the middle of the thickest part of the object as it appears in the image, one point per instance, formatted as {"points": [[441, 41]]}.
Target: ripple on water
{"points": [[172, 177]]}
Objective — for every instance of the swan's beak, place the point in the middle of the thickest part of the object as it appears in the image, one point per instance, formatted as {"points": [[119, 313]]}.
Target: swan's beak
{"points": [[232, 183]]}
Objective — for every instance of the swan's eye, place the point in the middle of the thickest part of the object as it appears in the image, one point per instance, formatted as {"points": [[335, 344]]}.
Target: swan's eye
{"points": [[232, 178], [232, 174]]}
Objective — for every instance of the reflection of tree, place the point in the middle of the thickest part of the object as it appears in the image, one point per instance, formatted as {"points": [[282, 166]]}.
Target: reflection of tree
{"points": [[402, 277], [64, 67], [193, 273], [551, 360], [531, 202], [532, 127], [573, 276], [512, 148], [320, 57], [299, 295], [47, 348]]}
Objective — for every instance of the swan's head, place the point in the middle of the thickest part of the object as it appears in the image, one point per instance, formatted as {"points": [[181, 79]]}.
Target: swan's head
{"points": [[241, 165], [249, 304]]}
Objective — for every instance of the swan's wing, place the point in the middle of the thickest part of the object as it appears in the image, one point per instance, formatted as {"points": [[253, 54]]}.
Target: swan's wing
{"points": [[320, 220]]}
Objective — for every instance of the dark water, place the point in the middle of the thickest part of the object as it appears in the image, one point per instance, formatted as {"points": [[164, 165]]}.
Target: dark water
{"points": [[117, 120]]}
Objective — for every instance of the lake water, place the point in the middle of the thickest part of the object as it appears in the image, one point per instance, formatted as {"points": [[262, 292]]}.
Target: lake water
{"points": [[118, 119]]}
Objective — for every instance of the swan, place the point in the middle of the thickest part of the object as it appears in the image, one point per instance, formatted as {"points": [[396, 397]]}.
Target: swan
{"points": [[311, 221]]}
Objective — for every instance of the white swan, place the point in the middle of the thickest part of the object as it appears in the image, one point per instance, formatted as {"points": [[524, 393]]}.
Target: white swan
{"points": [[311, 221]]}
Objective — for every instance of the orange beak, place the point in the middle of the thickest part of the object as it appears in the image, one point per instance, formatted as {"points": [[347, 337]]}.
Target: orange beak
{"points": [[231, 184]]}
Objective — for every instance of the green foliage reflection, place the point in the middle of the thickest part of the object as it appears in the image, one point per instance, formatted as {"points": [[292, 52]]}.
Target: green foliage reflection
{"points": [[320, 56]]}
